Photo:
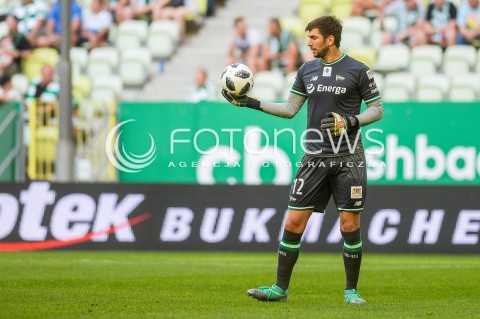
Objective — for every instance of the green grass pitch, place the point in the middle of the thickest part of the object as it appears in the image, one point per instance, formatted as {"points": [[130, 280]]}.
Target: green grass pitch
{"points": [[59, 284]]}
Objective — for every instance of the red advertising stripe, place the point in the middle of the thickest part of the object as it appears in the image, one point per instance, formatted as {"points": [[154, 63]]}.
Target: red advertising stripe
{"points": [[54, 243]]}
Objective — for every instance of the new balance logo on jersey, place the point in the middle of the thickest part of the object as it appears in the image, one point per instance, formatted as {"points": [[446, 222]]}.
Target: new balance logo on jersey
{"points": [[339, 78], [314, 78], [357, 203]]}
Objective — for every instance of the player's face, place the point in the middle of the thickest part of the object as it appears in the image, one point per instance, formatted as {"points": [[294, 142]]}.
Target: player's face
{"points": [[318, 44]]}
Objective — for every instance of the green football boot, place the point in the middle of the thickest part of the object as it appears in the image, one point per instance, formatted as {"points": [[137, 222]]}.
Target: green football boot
{"points": [[352, 297], [266, 293]]}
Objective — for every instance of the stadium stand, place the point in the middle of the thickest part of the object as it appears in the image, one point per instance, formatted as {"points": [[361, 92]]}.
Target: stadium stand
{"points": [[399, 85], [134, 66], [432, 88], [392, 58], [131, 34], [425, 59], [458, 59], [102, 61]]}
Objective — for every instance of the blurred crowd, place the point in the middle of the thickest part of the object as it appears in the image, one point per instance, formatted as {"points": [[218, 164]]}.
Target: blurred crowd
{"points": [[36, 24], [438, 22]]}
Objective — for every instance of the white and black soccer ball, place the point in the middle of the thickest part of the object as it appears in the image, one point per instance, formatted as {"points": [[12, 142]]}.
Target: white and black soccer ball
{"points": [[237, 79]]}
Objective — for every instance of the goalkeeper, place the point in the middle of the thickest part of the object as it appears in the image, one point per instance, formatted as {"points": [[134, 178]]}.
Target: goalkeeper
{"points": [[334, 85]]}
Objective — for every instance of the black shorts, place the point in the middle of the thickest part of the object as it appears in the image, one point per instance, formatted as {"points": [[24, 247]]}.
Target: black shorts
{"points": [[344, 177]]}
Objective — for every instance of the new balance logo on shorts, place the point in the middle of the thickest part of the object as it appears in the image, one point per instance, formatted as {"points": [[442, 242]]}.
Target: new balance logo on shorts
{"points": [[358, 203]]}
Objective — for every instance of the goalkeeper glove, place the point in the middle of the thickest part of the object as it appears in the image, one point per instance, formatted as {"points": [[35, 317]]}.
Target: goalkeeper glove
{"points": [[336, 123], [242, 101]]}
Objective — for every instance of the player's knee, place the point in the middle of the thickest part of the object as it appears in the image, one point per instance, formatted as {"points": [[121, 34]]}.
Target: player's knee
{"points": [[349, 226], [293, 226]]}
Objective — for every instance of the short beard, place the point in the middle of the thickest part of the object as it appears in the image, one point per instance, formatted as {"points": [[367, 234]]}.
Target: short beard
{"points": [[321, 54]]}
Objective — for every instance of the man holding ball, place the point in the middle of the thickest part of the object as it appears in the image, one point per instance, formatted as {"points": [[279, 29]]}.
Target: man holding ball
{"points": [[334, 86]]}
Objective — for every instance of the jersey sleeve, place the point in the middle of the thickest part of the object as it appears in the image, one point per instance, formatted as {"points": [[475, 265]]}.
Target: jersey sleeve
{"points": [[298, 87], [366, 85]]}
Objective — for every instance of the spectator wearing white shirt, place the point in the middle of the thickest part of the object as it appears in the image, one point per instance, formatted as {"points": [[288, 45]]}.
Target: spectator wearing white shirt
{"points": [[245, 46], [202, 91], [31, 16], [95, 25], [468, 20]]}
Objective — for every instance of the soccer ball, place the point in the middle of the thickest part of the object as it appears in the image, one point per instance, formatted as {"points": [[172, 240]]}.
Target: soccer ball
{"points": [[237, 79]]}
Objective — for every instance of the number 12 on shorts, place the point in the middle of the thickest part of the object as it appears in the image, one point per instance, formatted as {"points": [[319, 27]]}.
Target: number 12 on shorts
{"points": [[300, 182]]}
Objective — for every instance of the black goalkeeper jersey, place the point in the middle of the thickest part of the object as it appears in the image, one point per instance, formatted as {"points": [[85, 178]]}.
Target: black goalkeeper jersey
{"points": [[338, 87]]}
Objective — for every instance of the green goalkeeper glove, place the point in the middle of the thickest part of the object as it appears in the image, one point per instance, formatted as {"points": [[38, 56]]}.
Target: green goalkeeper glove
{"points": [[241, 101], [336, 123]]}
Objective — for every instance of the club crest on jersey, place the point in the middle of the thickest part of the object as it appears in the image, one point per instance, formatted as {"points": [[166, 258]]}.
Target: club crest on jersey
{"points": [[370, 74], [327, 71], [356, 192]]}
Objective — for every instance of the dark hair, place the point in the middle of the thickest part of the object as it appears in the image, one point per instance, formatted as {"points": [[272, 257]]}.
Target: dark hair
{"points": [[327, 26], [4, 79], [276, 21], [237, 20]]}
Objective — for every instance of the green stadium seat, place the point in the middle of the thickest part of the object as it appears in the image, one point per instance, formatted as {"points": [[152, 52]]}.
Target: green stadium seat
{"points": [[272, 79], [359, 25], [459, 59], [468, 83], [425, 59], [432, 88], [309, 11], [131, 34], [391, 58], [20, 83], [265, 93], [395, 94], [79, 56], [134, 66], [341, 9], [364, 53], [350, 40], [404, 80], [102, 61]]}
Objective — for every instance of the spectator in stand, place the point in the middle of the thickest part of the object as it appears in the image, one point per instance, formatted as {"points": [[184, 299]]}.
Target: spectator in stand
{"points": [[44, 89], [410, 17], [245, 46], [124, 10], [13, 47], [359, 7], [281, 49], [468, 20], [7, 93], [31, 16], [174, 9], [203, 90], [95, 25], [440, 24], [54, 25]]}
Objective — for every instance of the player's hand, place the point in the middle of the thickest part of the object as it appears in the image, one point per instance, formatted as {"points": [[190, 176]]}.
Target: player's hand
{"points": [[241, 101], [336, 123]]}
